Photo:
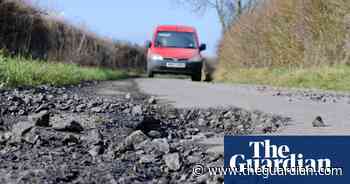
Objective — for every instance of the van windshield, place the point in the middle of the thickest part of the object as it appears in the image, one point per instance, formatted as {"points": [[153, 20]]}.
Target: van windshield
{"points": [[176, 40]]}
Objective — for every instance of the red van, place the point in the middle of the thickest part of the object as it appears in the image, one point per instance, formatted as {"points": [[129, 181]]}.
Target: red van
{"points": [[175, 50]]}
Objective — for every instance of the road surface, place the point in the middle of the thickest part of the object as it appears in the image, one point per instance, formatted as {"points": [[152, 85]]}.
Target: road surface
{"points": [[186, 94]]}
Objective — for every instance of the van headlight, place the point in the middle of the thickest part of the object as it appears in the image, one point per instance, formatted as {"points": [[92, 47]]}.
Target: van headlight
{"points": [[196, 58], [157, 57]]}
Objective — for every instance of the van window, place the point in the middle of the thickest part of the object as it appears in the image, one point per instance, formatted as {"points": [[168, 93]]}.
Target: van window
{"points": [[176, 40]]}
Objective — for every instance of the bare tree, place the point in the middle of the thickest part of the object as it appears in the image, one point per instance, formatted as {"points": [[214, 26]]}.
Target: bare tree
{"points": [[227, 10]]}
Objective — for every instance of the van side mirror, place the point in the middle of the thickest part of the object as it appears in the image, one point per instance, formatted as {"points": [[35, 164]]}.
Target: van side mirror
{"points": [[202, 47], [148, 44]]}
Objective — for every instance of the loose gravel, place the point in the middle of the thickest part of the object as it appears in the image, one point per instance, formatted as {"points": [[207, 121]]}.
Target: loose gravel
{"points": [[71, 135]]}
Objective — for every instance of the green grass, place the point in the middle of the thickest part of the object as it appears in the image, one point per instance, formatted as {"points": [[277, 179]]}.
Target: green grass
{"points": [[336, 78], [19, 71]]}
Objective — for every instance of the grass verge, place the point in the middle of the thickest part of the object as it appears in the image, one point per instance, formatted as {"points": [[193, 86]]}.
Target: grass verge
{"points": [[19, 71], [335, 78]]}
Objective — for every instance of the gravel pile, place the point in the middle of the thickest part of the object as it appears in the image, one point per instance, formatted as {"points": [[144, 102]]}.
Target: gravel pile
{"points": [[68, 135]]}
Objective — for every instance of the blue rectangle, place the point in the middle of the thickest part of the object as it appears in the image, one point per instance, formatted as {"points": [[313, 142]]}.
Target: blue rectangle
{"points": [[311, 153]]}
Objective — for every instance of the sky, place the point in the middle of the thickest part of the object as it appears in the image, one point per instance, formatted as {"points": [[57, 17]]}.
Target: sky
{"points": [[135, 20]]}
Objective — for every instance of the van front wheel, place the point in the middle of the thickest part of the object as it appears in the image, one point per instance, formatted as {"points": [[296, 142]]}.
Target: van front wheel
{"points": [[197, 76], [150, 74]]}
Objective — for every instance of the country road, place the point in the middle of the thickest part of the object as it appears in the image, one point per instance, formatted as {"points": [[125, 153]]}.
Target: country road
{"points": [[186, 94], [301, 106], [114, 126]]}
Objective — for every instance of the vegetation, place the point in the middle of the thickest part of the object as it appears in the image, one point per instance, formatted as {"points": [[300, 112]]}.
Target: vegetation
{"points": [[289, 43], [19, 71], [335, 77], [31, 32]]}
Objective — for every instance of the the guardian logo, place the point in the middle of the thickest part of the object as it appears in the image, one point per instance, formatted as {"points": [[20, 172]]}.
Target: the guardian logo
{"points": [[286, 159], [267, 155]]}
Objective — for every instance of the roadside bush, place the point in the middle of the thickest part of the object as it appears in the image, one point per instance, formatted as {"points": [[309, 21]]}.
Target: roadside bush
{"points": [[287, 34], [28, 31]]}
